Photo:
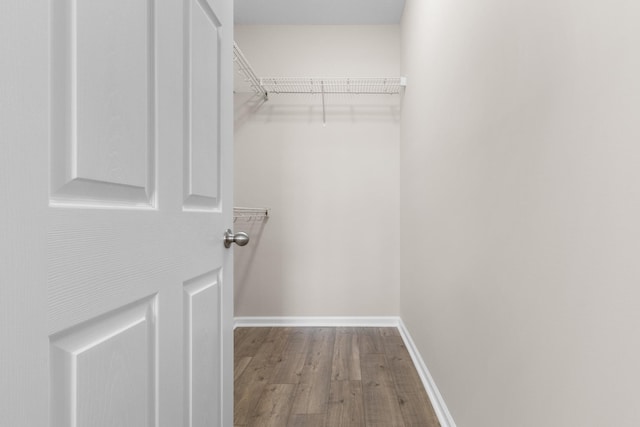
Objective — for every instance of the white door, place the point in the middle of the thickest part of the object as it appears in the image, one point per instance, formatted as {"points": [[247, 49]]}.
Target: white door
{"points": [[115, 189]]}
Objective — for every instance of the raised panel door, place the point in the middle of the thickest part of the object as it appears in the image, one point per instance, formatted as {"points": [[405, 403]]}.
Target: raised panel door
{"points": [[116, 300]]}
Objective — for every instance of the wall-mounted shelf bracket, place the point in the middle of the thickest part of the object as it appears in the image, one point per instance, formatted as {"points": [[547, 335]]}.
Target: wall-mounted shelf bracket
{"points": [[247, 71], [250, 214]]}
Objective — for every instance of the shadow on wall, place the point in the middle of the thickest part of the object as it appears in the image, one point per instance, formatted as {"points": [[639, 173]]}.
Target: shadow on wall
{"points": [[308, 109], [245, 106], [318, 181], [244, 257]]}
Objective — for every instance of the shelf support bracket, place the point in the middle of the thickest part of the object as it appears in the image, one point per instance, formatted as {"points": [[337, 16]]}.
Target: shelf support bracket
{"points": [[246, 69]]}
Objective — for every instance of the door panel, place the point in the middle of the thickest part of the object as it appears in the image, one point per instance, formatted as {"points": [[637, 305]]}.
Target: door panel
{"points": [[116, 300], [103, 102], [103, 372], [202, 63], [202, 344]]}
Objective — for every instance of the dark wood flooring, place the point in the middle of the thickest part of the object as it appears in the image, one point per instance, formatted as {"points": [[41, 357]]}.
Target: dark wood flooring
{"points": [[327, 377]]}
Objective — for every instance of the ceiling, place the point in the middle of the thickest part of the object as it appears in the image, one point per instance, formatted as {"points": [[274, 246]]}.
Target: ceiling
{"points": [[318, 12]]}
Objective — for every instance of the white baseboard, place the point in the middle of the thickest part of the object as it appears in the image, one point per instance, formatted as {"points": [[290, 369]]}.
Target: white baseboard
{"points": [[380, 322], [437, 401], [440, 408]]}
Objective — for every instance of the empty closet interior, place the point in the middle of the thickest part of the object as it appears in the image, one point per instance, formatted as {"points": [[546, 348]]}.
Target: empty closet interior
{"points": [[499, 188], [317, 133]]}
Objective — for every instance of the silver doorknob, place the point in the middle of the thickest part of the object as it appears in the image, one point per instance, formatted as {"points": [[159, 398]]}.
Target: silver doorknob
{"points": [[239, 239]]}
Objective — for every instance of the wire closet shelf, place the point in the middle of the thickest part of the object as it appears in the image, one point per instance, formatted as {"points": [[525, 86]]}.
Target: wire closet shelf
{"points": [[319, 85], [316, 86], [250, 214], [247, 71]]}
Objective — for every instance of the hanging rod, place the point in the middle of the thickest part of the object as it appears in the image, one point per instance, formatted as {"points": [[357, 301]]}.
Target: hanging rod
{"points": [[320, 85], [247, 71], [324, 86]]}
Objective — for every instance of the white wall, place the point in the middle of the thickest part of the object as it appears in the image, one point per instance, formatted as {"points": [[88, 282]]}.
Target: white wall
{"points": [[520, 201], [331, 246]]}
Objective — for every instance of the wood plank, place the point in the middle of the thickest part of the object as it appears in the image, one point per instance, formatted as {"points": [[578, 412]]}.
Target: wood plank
{"points": [[414, 402], [370, 341], [389, 332], [239, 366], [389, 394], [289, 366], [380, 403], [239, 333], [346, 358], [312, 395], [247, 341], [272, 410], [299, 339], [307, 420], [250, 385], [346, 407]]}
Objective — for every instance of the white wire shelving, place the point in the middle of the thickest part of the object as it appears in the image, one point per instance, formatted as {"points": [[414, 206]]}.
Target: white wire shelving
{"points": [[250, 214], [247, 71], [346, 85], [316, 85]]}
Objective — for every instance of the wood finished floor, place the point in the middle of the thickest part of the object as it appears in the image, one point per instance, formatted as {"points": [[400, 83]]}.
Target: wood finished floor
{"points": [[327, 377]]}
